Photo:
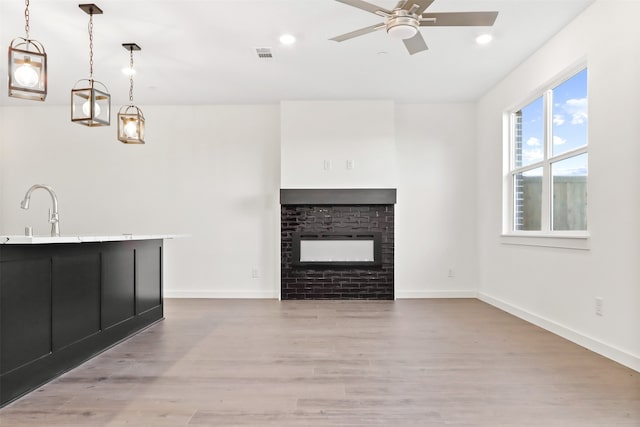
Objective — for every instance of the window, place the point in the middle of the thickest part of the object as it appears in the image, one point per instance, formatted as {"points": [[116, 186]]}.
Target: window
{"points": [[549, 161]]}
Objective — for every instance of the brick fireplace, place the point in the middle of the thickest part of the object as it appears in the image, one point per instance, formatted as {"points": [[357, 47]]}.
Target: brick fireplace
{"points": [[361, 220]]}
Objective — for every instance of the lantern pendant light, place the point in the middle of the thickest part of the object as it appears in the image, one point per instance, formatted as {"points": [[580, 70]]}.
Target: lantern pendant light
{"points": [[27, 66], [90, 99], [130, 117]]}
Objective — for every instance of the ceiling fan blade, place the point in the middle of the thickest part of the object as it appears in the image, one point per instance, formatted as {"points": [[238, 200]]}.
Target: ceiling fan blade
{"points": [[366, 6], [415, 44], [400, 4], [356, 33], [458, 19], [418, 5]]}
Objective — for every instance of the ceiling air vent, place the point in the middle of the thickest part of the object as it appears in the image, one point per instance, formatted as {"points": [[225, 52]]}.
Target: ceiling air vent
{"points": [[264, 52]]}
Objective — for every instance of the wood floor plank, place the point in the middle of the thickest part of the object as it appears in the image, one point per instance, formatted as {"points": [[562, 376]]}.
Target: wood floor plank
{"points": [[338, 363]]}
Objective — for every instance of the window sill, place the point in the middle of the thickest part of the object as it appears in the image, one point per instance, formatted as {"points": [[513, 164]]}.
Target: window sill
{"points": [[580, 241]]}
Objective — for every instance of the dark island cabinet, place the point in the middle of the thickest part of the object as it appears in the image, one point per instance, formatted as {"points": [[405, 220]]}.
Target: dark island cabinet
{"points": [[61, 304]]}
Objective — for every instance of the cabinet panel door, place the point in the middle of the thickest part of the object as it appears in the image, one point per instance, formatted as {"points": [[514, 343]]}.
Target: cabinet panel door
{"points": [[25, 312], [117, 284], [148, 275], [76, 297]]}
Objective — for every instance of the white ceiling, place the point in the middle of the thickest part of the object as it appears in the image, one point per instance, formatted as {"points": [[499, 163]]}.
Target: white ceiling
{"points": [[203, 51]]}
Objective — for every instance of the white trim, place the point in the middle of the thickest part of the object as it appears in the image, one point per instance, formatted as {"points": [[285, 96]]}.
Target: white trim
{"points": [[616, 354], [275, 294], [221, 294], [545, 92], [435, 294], [580, 241], [561, 77]]}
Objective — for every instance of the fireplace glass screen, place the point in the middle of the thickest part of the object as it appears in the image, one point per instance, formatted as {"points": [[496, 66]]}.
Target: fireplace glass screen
{"points": [[336, 250], [332, 249]]}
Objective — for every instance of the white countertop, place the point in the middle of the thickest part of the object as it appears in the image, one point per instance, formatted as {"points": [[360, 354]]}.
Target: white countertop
{"points": [[36, 240]]}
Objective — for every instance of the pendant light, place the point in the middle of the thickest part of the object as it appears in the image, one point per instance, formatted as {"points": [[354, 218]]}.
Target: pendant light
{"points": [[90, 99], [27, 66], [130, 117]]}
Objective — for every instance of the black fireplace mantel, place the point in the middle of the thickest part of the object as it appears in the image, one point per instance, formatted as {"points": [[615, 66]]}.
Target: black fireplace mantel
{"points": [[338, 196]]}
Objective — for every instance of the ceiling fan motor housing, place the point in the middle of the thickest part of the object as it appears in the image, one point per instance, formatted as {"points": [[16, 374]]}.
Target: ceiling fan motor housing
{"points": [[402, 24]]}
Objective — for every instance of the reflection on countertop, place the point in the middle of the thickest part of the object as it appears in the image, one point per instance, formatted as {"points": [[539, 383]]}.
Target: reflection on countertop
{"points": [[35, 240]]}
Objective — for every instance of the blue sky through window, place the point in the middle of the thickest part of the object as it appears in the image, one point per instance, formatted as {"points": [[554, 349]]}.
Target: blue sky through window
{"points": [[569, 128], [533, 132], [570, 120]]}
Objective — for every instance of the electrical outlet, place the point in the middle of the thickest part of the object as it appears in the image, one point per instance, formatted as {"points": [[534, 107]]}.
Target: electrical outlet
{"points": [[255, 273], [599, 306], [451, 273], [350, 164], [327, 165]]}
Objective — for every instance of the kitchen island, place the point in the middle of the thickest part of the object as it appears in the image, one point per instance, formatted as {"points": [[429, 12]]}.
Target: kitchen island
{"points": [[65, 299]]}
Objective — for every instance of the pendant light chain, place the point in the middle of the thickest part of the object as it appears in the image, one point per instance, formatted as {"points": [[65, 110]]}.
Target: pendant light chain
{"points": [[90, 45], [26, 18], [131, 77]]}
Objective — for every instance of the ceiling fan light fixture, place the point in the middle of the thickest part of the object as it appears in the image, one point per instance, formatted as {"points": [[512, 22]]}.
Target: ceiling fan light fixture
{"points": [[402, 27], [404, 21], [402, 31]]}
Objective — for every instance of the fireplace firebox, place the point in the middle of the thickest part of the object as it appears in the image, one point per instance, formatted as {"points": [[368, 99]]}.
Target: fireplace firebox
{"points": [[337, 249]]}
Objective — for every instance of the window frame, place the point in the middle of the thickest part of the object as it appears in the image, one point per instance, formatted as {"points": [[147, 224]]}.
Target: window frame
{"points": [[546, 236]]}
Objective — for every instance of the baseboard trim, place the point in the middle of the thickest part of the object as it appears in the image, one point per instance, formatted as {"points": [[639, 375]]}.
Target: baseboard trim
{"points": [[624, 358], [435, 294], [221, 294], [275, 295]]}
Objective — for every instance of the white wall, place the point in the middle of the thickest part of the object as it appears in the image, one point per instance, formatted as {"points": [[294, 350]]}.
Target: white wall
{"points": [[337, 131], [213, 172], [427, 152], [436, 210], [209, 171], [556, 288]]}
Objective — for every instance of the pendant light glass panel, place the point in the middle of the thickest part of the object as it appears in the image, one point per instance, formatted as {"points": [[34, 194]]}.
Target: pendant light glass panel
{"points": [[131, 125], [27, 66], [90, 106], [27, 70]]}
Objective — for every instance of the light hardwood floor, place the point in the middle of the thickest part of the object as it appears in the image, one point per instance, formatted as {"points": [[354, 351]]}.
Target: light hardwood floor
{"points": [[338, 363]]}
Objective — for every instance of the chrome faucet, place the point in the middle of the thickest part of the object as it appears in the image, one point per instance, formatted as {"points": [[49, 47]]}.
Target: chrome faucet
{"points": [[54, 217]]}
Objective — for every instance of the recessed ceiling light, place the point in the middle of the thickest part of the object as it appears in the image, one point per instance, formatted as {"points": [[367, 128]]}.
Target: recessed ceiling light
{"points": [[287, 39], [484, 39], [128, 71]]}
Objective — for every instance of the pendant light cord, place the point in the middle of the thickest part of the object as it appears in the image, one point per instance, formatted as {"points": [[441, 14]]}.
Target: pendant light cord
{"points": [[26, 18], [90, 46], [131, 76]]}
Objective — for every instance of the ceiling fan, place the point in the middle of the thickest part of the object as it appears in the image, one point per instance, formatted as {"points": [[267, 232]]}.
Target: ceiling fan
{"points": [[405, 19]]}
